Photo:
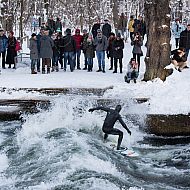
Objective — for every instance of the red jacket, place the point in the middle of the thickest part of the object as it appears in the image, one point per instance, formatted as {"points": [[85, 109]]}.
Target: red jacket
{"points": [[78, 39]]}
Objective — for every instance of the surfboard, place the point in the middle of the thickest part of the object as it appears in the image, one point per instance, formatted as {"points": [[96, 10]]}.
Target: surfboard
{"points": [[125, 151]]}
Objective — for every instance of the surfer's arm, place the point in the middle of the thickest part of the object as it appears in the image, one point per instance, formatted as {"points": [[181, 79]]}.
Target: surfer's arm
{"points": [[99, 108], [124, 125]]}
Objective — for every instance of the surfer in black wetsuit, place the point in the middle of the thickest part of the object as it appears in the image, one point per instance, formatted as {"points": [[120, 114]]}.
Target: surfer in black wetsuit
{"points": [[109, 122]]}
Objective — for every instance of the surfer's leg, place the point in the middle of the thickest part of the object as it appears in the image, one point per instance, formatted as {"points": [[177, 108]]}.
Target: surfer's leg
{"points": [[117, 132], [105, 136]]}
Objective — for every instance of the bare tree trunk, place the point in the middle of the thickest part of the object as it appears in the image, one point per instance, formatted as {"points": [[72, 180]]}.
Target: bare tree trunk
{"points": [[21, 19], [115, 13], [157, 17]]}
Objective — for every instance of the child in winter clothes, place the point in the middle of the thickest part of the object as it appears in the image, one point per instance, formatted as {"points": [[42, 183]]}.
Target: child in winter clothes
{"points": [[132, 73], [33, 53], [90, 52]]}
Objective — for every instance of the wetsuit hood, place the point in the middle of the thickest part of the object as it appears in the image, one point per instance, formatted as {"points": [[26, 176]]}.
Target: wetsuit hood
{"points": [[118, 108]]}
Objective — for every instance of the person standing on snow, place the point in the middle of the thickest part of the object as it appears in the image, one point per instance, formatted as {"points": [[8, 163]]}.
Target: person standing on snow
{"points": [[109, 122], [101, 44], [3, 46]]}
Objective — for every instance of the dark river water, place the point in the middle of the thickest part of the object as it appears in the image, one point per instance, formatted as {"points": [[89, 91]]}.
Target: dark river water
{"points": [[62, 149]]}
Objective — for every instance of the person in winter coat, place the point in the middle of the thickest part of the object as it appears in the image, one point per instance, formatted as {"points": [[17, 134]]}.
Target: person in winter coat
{"points": [[90, 52], [122, 25], [106, 29], [78, 40], [130, 27], [46, 51], [58, 24], [84, 43], [3, 46], [101, 44], [177, 28], [39, 35], [179, 59], [56, 52], [140, 26], [137, 51], [110, 49], [69, 50], [185, 40], [132, 73], [118, 46], [11, 52], [34, 56], [95, 27]]}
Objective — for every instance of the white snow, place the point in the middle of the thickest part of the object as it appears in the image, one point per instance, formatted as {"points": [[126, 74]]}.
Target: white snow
{"points": [[169, 97]]}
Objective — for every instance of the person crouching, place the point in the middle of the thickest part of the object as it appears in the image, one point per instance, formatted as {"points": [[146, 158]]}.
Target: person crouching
{"points": [[179, 59], [132, 73], [33, 53]]}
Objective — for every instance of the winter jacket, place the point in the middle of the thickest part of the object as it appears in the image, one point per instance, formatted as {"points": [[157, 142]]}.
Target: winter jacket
{"points": [[11, 52], [118, 46], [84, 42], [130, 25], [106, 30], [69, 44], [177, 29], [122, 23], [185, 39], [3, 43], [110, 47], [95, 27], [177, 57], [56, 48], [38, 41], [101, 43], [58, 25], [90, 50], [139, 26], [46, 45], [132, 67], [33, 49], [137, 46], [78, 41]]}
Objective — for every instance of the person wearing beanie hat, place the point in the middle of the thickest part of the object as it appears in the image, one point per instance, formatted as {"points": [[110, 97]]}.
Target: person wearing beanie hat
{"points": [[78, 40], [101, 44], [68, 31], [118, 46], [11, 52], [3, 46], [34, 56]]}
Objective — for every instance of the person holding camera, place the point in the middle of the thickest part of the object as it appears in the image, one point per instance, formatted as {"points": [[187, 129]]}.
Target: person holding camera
{"points": [[179, 59], [101, 44], [137, 42], [132, 73]]}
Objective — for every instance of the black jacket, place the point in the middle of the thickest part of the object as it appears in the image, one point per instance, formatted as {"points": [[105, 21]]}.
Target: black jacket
{"points": [[106, 30], [69, 44], [94, 29], [185, 39], [118, 46]]}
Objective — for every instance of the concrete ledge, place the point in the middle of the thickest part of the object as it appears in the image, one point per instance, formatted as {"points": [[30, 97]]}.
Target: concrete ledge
{"points": [[168, 125], [12, 109]]}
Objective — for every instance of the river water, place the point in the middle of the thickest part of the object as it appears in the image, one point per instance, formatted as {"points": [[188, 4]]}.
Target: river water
{"points": [[62, 149]]}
